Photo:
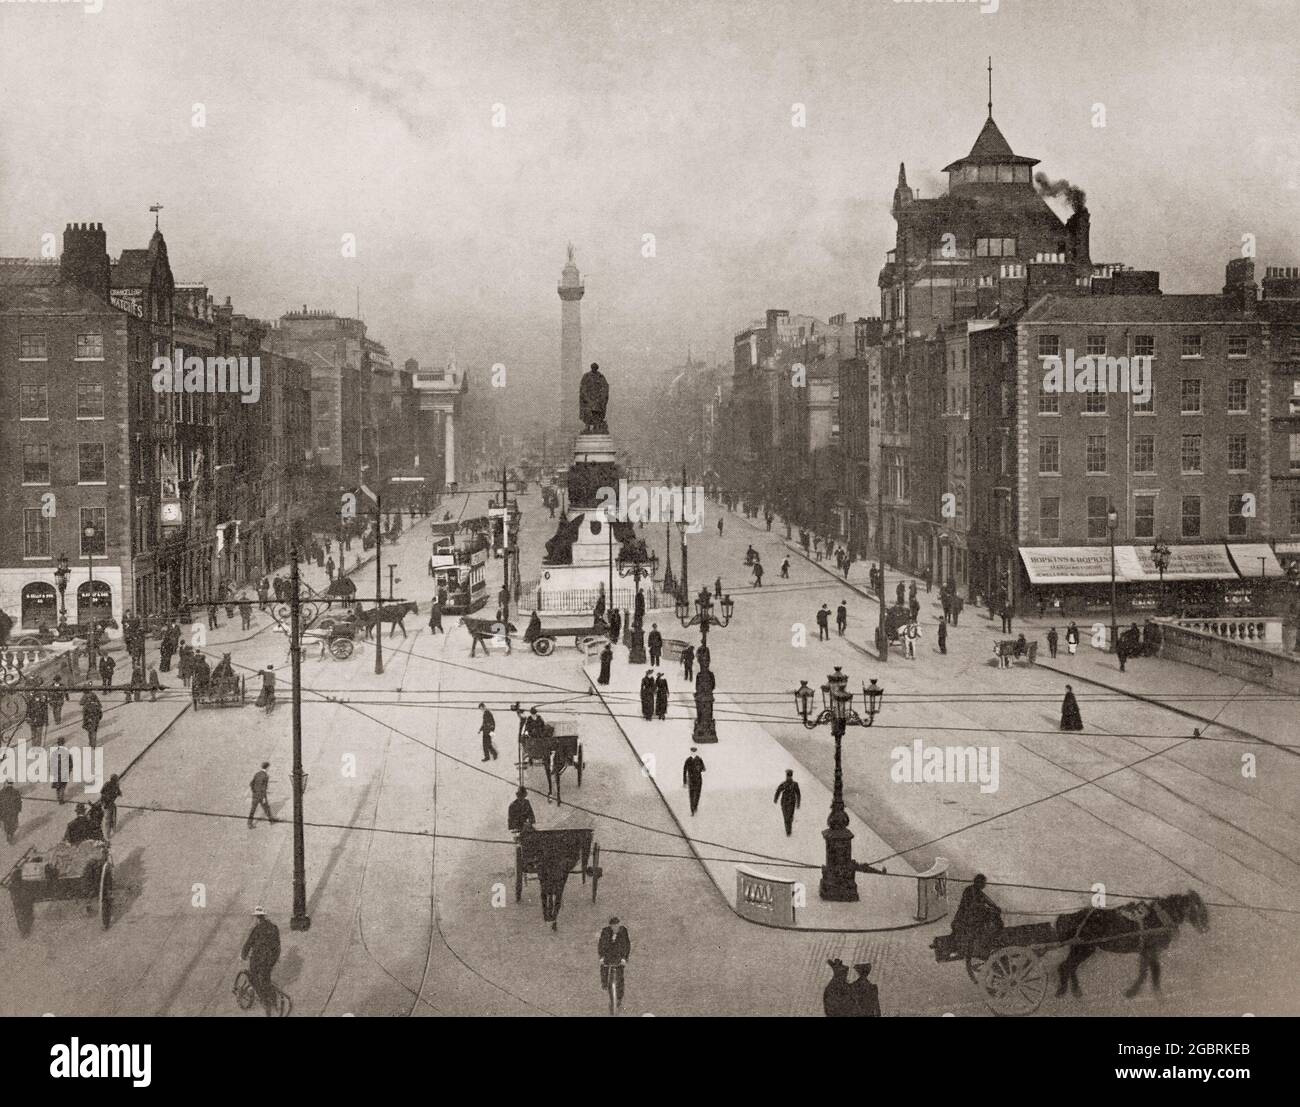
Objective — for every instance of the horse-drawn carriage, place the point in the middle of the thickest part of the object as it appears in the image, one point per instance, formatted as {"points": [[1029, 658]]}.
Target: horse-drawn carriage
{"points": [[578, 628], [556, 749], [66, 871], [550, 857], [1007, 650], [1006, 962], [335, 632], [220, 690]]}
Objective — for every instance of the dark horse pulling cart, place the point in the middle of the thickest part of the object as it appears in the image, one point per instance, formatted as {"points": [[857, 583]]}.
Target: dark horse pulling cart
{"points": [[557, 748], [551, 856], [1005, 962]]}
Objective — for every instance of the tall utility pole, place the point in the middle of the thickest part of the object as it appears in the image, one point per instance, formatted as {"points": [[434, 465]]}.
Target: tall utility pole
{"points": [[880, 546], [505, 552], [300, 919]]}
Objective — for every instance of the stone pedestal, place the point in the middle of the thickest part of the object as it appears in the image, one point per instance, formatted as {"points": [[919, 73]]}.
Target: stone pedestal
{"points": [[594, 468]]}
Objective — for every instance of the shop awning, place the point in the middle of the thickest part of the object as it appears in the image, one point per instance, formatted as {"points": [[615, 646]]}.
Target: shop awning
{"points": [[1069, 564], [1255, 560], [1185, 563]]}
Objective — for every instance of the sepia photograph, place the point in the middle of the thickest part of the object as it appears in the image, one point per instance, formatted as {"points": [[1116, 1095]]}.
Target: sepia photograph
{"points": [[650, 508]]}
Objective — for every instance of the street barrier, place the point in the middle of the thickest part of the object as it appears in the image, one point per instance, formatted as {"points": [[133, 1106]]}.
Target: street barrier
{"points": [[932, 891], [765, 899]]}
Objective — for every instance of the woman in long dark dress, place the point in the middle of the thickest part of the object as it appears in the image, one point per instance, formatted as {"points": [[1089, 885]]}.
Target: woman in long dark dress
{"points": [[661, 697], [1070, 717], [648, 694], [606, 656]]}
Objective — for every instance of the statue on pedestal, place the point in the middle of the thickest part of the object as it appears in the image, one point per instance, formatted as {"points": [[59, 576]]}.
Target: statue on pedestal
{"points": [[593, 399]]}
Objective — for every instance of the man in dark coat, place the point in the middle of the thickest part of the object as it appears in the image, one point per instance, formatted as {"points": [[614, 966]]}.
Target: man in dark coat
{"points": [[957, 604], [661, 697], [976, 914], [258, 788], [11, 804], [914, 607], [787, 795], [615, 624], [648, 695], [837, 997], [865, 995], [688, 663], [655, 644], [106, 667], [262, 951], [435, 616], [519, 815], [606, 656], [693, 777], [900, 592], [486, 727], [943, 636], [946, 601], [1071, 719], [823, 623], [1053, 641], [841, 617], [613, 947]]}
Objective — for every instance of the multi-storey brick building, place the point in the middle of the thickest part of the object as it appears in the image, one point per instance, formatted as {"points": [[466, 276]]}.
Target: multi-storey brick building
{"points": [[1190, 463]]}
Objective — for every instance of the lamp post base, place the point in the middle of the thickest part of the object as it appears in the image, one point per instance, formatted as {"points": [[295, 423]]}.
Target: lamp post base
{"points": [[300, 922], [839, 875], [636, 652], [838, 885], [703, 733]]}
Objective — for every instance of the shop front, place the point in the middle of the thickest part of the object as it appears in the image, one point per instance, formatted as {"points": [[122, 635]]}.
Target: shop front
{"points": [[1196, 581]]}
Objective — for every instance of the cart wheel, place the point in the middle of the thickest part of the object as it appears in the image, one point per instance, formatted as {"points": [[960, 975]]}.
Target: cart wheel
{"points": [[974, 967], [23, 907], [341, 648], [1014, 981], [580, 764], [595, 870], [106, 894], [544, 647], [519, 873]]}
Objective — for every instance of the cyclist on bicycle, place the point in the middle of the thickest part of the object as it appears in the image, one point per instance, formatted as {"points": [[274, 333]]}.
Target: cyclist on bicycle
{"points": [[262, 951], [614, 948]]}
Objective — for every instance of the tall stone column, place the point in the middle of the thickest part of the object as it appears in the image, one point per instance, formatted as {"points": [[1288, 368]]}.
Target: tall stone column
{"points": [[570, 289]]}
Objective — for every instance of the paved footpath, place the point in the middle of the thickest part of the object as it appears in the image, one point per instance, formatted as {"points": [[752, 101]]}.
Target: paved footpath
{"points": [[742, 772]]}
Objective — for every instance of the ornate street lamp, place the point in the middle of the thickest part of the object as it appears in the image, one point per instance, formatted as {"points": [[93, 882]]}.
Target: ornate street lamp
{"points": [[61, 580], [705, 682], [839, 874], [1160, 555], [89, 534]]}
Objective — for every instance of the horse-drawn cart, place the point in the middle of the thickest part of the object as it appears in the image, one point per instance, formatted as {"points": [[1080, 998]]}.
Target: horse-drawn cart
{"points": [[220, 691], [551, 856], [557, 748], [577, 628], [1006, 962], [66, 871]]}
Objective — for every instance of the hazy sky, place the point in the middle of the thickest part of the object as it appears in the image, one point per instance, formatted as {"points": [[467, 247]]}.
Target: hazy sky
{"points": [[664, 118]]}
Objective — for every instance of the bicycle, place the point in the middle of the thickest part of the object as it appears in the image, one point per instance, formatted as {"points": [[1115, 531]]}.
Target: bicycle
{"points": [[614, 985], [246, 995]]}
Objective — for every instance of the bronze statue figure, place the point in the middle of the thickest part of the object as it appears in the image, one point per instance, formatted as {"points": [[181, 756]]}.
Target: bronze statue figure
{"points": [[593, 398]]}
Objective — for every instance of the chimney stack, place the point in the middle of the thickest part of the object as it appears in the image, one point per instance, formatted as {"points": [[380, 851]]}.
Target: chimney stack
{"points": [[1078, 231], [85, 258], [1282, 282]]}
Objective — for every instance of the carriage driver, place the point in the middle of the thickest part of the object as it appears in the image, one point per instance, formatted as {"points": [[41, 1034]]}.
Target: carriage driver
{"points": [[976, 914], [519, 815]]}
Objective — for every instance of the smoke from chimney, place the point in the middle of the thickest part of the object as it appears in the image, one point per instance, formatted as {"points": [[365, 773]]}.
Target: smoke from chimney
{"points": [[1073, 193]]}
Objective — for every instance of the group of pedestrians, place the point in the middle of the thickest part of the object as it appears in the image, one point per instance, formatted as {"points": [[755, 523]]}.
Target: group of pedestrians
{"points": [[824, 621], [654, 695]]}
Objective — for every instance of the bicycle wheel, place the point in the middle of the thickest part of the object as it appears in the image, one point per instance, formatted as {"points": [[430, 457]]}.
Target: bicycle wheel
{"points": [[243, 990]]}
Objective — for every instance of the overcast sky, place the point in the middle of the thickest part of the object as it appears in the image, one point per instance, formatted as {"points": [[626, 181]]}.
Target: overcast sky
{"points": [[621, 120]]}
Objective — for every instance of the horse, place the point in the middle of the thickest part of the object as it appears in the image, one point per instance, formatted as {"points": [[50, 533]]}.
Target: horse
{"points": [[1144, 927], [392, 613]]}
